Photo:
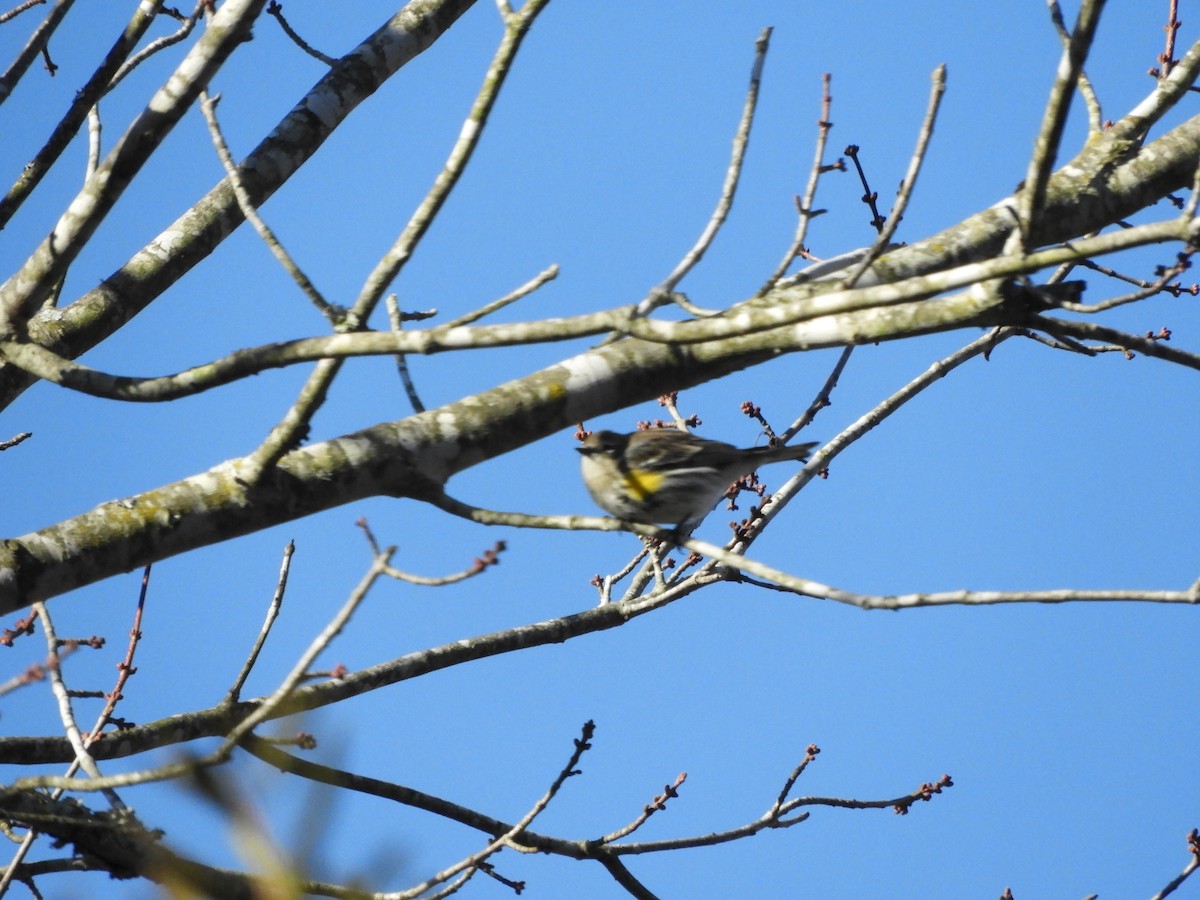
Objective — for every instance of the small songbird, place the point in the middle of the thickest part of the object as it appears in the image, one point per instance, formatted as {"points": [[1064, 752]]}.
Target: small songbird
{"points": [[666, 476]]}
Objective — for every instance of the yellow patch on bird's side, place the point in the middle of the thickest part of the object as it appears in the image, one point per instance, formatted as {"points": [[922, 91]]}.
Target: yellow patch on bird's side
{"points": [[643, 483]]}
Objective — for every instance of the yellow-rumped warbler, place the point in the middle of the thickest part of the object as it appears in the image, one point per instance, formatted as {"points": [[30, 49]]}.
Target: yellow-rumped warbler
{"points": [[666, 476]]}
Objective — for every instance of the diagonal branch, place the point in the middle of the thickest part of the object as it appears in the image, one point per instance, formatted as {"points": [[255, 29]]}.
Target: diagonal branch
{"points": [[883, 240], [741, 140], [1091, 331]]}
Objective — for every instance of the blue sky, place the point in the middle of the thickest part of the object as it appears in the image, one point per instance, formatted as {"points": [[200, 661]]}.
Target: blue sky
{"points": [[1067, 729]]}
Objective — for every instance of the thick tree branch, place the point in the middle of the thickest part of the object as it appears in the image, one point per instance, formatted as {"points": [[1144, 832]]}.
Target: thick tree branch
{"points": [[415, 456]]}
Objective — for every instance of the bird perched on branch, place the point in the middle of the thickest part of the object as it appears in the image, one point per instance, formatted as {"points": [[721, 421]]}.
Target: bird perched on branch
{"points": [[668, 477]]}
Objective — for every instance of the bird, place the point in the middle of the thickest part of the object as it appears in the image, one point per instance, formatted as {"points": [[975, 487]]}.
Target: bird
{"points": [[667, 476]]}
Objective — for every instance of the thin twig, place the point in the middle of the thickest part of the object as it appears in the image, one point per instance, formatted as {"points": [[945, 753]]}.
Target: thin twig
{"points": [[396, 320], [582, 745], [821, 400], [1166, 60], [663, 291], [804, 204], [276, 9], [899, 804], [623, 877], [1090, 331], [234, 693], [869, 197], [1095, 116], [304, 663], [79, 742], [18, 9], [45, 363], [1148, 288], [547, 274], [95, 147], [776, 809], [159, 44], [816, 590], [883, 239], [481, 563], [575, 849], [658, 803], [126, 670], [126, 667], [66, 713], [1057, 343], [208, 105], [1193, 839], [604, 583]]}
